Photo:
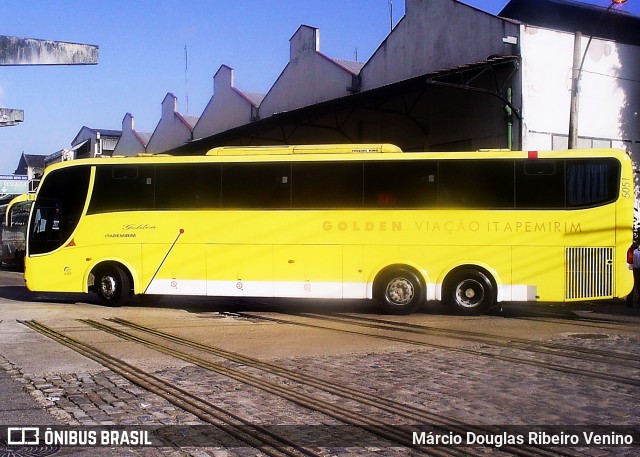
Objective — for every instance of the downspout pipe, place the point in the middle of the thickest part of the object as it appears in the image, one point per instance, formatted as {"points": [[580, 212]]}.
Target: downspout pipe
{"points": [[509, 118]]}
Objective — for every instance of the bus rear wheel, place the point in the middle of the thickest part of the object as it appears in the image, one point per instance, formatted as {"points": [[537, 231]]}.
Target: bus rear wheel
{"points": [[112, 285], [400, 291], [470, 292]]}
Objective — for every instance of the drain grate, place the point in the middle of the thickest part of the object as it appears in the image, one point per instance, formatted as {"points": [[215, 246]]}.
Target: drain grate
{"points": [[26, 451]]}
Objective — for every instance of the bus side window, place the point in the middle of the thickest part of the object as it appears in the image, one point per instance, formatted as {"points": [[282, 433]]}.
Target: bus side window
{"points": [[327, 185], [410, 184], [187, 186], [256, 185], [481, 184], [540, 184], [122, 187]]}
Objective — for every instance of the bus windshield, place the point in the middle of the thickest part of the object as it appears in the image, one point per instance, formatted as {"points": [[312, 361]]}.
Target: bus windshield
{"points": [[58, 208], [15, 216]]}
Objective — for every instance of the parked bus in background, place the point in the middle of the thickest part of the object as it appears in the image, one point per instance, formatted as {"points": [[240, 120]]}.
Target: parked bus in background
{"points": [[472, 229], [15, 217]]}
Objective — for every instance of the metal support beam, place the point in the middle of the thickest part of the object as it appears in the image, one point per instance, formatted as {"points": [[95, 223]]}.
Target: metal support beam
{"points": [[9, 117], [29, 51]]}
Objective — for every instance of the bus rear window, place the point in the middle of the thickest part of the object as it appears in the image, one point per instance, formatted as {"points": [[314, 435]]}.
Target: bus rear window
{"points": [[592, 182]]}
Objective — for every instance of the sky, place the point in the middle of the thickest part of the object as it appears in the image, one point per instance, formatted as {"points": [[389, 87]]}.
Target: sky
{"points": [[142, 57]]}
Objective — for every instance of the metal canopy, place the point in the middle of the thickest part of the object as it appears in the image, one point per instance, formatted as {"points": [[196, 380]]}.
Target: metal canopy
{"points": [[490, 77]]}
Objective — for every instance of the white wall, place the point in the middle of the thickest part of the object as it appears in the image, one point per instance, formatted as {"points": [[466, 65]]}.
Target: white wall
{"points": [[609, 95], [129, 144], [310, 77], [172, 129], [228, 108], [435, 35]]}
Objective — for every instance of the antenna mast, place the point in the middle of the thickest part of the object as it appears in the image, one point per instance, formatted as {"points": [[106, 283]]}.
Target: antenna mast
{"points": [[186, 76]]}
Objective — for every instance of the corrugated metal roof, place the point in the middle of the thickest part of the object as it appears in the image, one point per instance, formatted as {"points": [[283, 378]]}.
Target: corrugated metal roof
{"points": [[191, 120], [107, 132], [34, 160], [350, 65], [144, 137], [254, 98]]}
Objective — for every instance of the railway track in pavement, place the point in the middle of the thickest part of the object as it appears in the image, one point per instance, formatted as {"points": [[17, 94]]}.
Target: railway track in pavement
{"points": [[266, 441], [360, 328], [405, 412], [620, 359], [250, 434]]}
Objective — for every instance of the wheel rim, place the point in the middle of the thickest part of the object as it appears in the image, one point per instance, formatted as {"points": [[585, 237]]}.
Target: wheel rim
{"points": [[108, 286], [470, 293], [400, 291]]}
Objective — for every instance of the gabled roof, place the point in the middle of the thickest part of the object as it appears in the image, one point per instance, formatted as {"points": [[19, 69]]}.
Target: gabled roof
{"points": [[29, 161], [348, 65], [103, 132], [191, 120], [34, 160], [252, 97], [108, 132], [143, 137]]}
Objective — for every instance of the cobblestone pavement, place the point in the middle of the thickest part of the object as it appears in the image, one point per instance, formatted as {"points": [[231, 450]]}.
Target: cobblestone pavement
{"points": [[474, 390]]}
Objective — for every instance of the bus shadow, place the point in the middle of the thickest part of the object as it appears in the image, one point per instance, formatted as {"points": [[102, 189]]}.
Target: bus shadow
{"points": [[22, 294], [611, 311]]}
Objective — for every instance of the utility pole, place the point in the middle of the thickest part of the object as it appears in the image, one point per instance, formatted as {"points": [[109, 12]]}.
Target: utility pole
{"points": [[575, 91], [576, 74], [16, 51]]}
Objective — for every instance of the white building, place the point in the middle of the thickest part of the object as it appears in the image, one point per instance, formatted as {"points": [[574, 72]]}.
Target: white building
{"points": [[90, 142], [609, 97], [173, 129], [228, 108], [131, 141], [310, 76]]}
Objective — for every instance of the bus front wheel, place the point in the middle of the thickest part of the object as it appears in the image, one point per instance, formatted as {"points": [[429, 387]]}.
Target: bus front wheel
{"points": [[400, 291], [112, 285], [470, 292]]}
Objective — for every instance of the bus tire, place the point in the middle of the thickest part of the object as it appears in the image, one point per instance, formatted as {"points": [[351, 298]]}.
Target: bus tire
{"points": [[400, 291], [469, 292], [112, 285]]}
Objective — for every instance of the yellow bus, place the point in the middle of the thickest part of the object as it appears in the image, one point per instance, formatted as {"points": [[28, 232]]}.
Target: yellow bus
{"points": [[472, 229], [13, 229]]}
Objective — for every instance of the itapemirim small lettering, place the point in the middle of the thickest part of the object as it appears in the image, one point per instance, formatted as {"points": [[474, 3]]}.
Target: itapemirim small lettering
{"points": [[450, 226]]}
